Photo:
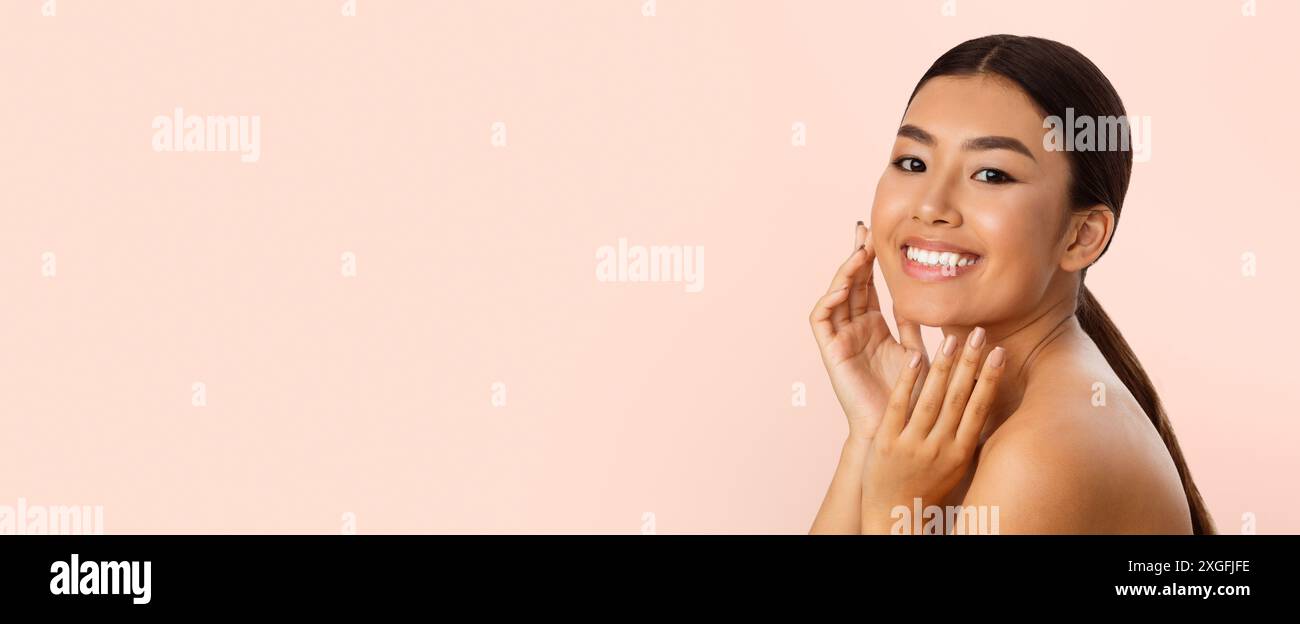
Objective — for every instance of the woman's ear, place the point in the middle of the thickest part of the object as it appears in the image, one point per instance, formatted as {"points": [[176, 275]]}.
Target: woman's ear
{"points": [[1090, 230]]}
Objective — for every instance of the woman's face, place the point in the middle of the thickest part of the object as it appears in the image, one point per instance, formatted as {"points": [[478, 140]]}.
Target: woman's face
{"points": [[968, 175]]}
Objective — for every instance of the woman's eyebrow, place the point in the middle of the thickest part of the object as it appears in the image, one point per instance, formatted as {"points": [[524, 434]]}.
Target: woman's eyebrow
{"points": [[998, 142], [916, 134], [979, 143]]}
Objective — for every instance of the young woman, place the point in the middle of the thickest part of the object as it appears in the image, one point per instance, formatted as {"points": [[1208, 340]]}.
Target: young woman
{"points": [[1034, 405]]}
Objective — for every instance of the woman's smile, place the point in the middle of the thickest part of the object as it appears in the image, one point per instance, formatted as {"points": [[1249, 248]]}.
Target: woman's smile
{"points": [[935, 261]]}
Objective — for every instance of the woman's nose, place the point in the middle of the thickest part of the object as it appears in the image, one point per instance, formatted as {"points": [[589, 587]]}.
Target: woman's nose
{"points": [[936, 205]]}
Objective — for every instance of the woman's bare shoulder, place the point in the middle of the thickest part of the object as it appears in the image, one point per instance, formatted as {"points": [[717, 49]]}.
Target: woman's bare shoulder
{"points": [[1078, 457], [1036, 471]]}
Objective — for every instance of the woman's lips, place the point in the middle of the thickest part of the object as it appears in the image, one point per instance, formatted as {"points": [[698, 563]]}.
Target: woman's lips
{"points": [[935, 245], [936, 273]]}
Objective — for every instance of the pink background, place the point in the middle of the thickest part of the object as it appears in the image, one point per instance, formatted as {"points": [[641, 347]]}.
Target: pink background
{"points": [[476, 264]]}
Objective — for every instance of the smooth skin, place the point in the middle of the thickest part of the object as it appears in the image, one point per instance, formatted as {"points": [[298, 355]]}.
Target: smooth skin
{"points": [[1046, 455]]}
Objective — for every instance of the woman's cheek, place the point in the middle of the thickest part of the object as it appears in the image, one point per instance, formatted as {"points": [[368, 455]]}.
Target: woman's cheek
{"points": [[1012, 283], [892, 200]]}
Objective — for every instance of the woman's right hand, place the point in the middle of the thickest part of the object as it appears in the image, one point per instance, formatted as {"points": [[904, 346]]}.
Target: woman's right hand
{"points": [[861, 354]]}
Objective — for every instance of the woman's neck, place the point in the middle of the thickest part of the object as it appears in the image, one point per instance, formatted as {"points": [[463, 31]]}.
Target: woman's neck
{"points": [[1027, 341]]}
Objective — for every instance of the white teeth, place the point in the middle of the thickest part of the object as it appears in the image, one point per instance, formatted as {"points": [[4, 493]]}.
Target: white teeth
{"points": [[940, 258]]}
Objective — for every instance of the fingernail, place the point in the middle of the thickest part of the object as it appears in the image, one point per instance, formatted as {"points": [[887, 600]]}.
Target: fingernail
{"points": [[949, 344], [859, 223], [995, 359], [977, 337], [916, 359]]}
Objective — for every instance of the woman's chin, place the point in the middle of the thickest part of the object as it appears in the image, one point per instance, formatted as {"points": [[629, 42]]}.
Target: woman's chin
{"points": [[930, 314]]}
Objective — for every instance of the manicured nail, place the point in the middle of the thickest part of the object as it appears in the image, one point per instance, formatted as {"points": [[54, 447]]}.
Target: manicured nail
{"points": [[949, 344], [916, 359], [977, 338], [996, 358], [859, 223]]}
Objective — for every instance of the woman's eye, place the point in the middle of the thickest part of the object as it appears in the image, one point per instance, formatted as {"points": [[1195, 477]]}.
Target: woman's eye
{"points": [[908, 163], [992, 176]]}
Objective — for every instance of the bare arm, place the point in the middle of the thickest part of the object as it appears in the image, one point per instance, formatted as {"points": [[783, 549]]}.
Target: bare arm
{"points": [[841, 510]]}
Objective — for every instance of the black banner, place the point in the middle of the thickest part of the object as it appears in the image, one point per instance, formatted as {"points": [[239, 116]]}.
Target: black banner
{"points": [[200, 574]]}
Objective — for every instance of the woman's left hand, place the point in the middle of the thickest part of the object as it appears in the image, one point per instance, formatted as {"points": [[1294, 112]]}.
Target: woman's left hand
{"points": [[927, 455]]}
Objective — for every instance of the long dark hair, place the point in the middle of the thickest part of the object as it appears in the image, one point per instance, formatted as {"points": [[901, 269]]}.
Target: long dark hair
{"points": [[1058, 77]]}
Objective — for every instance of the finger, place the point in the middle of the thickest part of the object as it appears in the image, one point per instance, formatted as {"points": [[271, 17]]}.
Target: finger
{"points": [[900, 399], [936, 386], [909, 332], [981, 400], [859, 232], [960, 385], [822, 311], [844, 276], [864, 298], [873, 301], [845, 272]]}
